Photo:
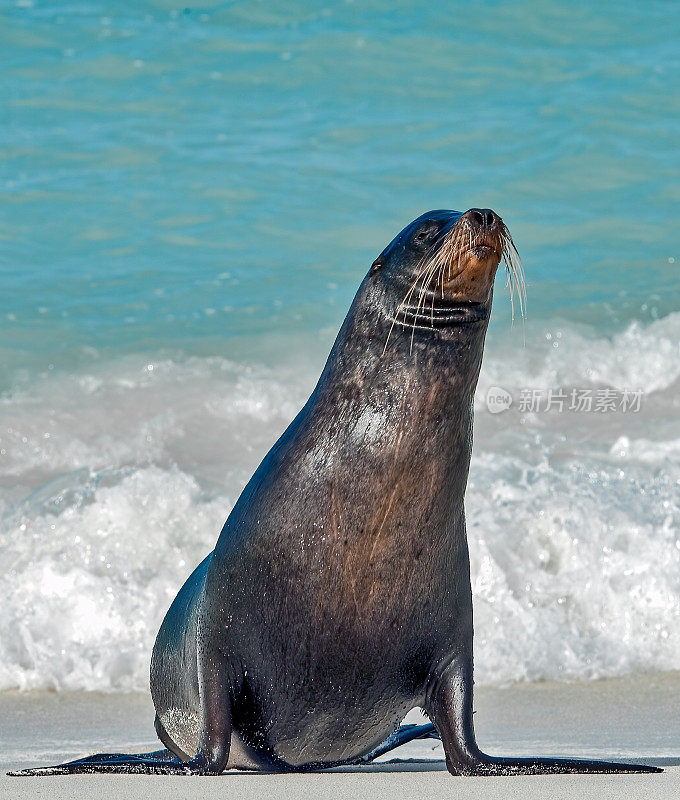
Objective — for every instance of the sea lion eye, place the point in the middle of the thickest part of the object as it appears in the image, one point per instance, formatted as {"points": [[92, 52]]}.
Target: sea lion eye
{"points": [[426, 234]]}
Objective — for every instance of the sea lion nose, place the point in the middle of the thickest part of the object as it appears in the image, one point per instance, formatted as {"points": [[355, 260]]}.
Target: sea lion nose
{"points": [[484, 217]]}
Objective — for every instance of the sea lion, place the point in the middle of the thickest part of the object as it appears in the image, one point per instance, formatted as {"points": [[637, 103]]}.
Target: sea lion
{"points": [[338, 596]]}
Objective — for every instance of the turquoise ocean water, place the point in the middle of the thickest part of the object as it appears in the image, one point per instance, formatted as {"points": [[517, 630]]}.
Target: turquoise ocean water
{"points": [[190, 197]]}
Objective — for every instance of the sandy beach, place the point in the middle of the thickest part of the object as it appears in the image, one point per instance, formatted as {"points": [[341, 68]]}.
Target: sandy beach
{"points": [[627, 718]]}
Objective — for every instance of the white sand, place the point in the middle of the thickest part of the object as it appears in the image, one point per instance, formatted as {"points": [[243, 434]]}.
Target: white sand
{"points": [[635, 718]]}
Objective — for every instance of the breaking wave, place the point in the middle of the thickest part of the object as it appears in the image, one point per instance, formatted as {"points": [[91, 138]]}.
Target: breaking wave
{"points": [[115, 483]]}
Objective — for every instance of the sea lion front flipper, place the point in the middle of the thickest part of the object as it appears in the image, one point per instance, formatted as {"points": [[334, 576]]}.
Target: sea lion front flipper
{"points": [[449, 705], [213, 748], [215, 691]]}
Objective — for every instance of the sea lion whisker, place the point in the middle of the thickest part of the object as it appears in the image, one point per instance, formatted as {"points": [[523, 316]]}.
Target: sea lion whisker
{"points": [[515, 272], [515, 276], [421, 301], [401, 306], [426, 268]]}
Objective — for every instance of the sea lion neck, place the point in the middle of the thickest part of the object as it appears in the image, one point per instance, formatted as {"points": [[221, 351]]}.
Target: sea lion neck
{"points": [[414, 398], [372, 356]]}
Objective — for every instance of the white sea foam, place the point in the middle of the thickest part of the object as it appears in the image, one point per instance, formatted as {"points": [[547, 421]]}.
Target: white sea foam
{"points": [[115, 484], [645, 357]]}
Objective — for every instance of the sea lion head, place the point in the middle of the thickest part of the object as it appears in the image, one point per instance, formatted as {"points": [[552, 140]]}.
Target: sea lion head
{"points": [[439, 271]]}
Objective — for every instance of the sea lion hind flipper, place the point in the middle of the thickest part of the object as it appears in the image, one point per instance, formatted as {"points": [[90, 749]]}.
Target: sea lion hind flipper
{"points": [[159, 762], [403, 735]]}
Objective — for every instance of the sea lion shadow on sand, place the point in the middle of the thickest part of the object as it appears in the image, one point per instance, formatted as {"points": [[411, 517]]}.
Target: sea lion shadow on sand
{"points": [[338, 595]]}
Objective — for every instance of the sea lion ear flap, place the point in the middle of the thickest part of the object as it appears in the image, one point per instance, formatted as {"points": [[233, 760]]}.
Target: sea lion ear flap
{"points": [[378, 263]]}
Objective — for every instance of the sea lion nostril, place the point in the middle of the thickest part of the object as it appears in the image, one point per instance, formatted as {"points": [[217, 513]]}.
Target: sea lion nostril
{"points": [[484, 217], [489, 217]]}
